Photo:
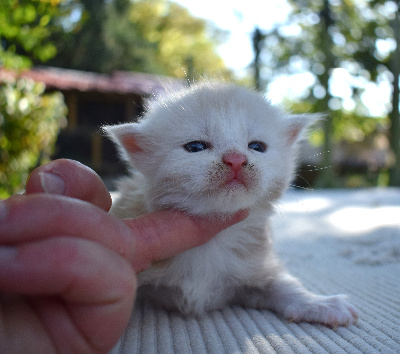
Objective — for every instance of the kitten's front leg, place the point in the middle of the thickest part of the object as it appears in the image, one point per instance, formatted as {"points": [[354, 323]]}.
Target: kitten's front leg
{"points": [[287, 296]]}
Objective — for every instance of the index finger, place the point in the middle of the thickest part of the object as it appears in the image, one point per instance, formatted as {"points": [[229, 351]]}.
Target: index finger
{"points": [[142, 241]]}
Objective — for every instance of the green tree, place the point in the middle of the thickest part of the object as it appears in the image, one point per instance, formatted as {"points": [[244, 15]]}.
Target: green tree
{"points": [[25, 26], [80, 41], [154, 36], [179, 38], [127, 49]]}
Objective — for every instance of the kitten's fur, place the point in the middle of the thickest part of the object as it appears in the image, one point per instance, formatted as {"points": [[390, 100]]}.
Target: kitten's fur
{"points": [[238, 265]]}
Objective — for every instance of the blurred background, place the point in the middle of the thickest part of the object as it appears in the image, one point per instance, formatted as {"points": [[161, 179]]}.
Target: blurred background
{"points": [[67, 67]]}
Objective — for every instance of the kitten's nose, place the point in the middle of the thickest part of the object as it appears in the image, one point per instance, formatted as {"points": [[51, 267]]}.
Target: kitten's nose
{"points": [[234, 160]]}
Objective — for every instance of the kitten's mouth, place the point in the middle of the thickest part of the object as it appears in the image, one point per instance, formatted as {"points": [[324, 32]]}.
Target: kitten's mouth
{"points": [[231, 181], [235, 181]]}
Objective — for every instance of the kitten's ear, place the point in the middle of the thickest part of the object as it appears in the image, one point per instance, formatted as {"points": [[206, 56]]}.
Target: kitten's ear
{"points": [[297, 126], [125, 136]]}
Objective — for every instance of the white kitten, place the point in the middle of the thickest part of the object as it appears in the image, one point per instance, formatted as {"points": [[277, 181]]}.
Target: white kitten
{"points": [[213, 149]]}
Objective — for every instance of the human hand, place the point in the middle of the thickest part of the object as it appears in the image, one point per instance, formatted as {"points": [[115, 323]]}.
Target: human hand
{"points": [[67, 267]]}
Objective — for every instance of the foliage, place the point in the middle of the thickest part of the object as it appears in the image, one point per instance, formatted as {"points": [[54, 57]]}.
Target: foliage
{"points": [[127, 48], [179, 38], [349, 126], [154, 36], [29, 122], [356, 34], [356, 29], [25, 26], [79, 41]]}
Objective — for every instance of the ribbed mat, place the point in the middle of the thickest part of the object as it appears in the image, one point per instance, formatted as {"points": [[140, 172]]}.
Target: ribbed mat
{"points": [[320, 246]]}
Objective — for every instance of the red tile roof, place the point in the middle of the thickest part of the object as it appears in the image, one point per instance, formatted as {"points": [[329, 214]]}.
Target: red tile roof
{"points": [[118, 82]]}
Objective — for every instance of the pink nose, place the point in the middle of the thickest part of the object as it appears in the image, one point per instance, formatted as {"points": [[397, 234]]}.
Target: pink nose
{"points": [[234, 160]]}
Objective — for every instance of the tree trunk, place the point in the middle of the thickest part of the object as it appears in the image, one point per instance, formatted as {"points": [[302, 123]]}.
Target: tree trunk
{"points": [[258, 39], [394, 179], [326, 178]]}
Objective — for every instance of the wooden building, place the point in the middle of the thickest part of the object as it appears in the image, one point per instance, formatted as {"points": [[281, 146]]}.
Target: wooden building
{"points": [[95, 100]]}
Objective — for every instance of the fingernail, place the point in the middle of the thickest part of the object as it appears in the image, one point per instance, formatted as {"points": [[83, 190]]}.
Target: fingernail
{"points": [[3, 211], [7, 253], [51, 183]]}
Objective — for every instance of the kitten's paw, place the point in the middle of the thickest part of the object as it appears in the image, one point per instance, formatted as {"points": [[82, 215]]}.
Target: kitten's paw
{"points": [[332, 311]]}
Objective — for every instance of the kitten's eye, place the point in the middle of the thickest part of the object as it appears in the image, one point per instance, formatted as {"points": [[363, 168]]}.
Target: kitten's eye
{"points": [[196, 146], [258, 146]]}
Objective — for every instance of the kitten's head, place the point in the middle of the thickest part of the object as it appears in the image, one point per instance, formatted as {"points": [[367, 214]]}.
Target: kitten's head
{"points": [[212, 148]]}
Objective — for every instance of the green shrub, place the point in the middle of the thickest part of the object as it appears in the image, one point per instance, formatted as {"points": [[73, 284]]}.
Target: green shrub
{"points": [[30, 120]]}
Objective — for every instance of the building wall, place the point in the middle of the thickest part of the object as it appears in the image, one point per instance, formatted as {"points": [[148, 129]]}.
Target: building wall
{"points": [[82, 139]]}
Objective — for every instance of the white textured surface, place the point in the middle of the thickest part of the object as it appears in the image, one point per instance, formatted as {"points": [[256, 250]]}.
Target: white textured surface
{"points": [[341, 241]]}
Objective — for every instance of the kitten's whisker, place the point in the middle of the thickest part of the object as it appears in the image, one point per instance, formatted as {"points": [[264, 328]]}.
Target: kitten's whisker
{"points": [[309, 185], [315, 168], [306, 188], [318, 154]]}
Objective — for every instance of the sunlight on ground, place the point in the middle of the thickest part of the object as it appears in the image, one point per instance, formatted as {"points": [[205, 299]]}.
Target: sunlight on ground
{"points": [[363, 214], [308, 205], [361, 219]]}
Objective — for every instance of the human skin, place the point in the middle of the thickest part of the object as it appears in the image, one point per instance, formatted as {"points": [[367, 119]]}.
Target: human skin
{"points": [[67, 267]]}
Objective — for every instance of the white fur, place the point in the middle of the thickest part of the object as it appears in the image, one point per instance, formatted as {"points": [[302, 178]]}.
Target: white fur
{"points": [[238, 265]]}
